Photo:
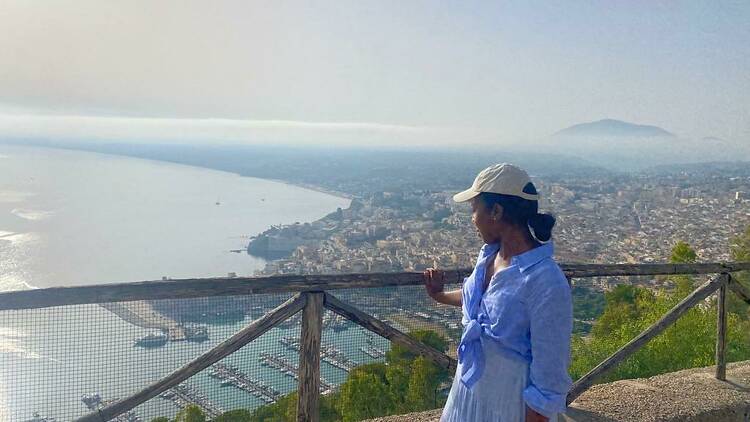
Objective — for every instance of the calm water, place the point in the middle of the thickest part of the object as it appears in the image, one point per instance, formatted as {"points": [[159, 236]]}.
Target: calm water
{"points": [[52, 357], [74, 218]]}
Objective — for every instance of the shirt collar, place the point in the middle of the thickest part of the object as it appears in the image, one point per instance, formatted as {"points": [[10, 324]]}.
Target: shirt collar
{"points": [[531, 257], [489, 249]]}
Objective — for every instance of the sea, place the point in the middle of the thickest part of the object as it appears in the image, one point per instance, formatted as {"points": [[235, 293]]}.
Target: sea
{"points": [[70, 218]]}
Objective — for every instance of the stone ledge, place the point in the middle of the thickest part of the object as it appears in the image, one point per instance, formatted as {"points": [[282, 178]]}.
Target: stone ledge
{"points": [[691, 395]]}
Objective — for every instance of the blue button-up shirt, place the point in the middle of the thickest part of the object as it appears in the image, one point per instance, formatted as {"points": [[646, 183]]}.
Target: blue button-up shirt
{"points": [[527, 310]]}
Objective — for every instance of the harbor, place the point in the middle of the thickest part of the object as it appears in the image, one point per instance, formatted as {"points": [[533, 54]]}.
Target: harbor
{"points": [[289, 369], [231, 375], [328, 353], [96, 402], [371, 350], [183, 396], [335, 322], [142, 314], [280, 347]]}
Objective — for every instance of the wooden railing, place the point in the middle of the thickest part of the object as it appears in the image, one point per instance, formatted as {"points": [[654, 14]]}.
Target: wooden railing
{"points": [[312, 296]]}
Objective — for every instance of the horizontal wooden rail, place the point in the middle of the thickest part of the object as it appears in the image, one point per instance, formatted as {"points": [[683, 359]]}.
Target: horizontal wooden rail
{"points": [[609, 270], [208, 287], [659, 326], [196, 288], [224, 349], [384, 330]]}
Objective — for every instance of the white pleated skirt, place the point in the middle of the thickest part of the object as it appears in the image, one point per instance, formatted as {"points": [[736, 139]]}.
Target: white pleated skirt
{"points": [[498, 394]]}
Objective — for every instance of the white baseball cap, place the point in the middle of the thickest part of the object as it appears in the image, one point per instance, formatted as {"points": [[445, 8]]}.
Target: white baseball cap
{"points": [[505, 179]]}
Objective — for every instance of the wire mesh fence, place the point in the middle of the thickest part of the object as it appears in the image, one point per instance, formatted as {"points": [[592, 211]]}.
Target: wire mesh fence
{"points": [[402, 385], [609, 312], [63, 362]]}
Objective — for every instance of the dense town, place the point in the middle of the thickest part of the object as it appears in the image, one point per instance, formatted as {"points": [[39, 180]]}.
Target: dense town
{"points": [[635, 219]]}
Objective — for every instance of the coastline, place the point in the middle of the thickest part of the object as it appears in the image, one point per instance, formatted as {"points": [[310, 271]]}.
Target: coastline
{"points": [[307, 186], [24, 285], [142, 314]]}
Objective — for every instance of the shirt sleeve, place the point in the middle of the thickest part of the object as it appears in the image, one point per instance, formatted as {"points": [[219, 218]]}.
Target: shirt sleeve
{"points": [[550, 306]]}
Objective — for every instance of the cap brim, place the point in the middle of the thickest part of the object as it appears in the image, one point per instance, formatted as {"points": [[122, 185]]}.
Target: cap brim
{"points": [[465, 195]]}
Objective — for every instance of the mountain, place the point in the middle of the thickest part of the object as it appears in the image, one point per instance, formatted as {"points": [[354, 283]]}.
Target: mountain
{"points": [[613, 128], [624, 146]]}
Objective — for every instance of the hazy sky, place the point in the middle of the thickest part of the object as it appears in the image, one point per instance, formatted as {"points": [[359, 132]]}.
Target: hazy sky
{"points": [[370, 71]]}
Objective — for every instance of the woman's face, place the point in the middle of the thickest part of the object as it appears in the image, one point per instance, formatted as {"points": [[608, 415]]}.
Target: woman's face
{"points": [[487, 221]]}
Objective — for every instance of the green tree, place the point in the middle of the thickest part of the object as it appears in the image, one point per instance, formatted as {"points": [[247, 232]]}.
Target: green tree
{"points": [[588, 304], [624, 303], [283, 410], [397, 377], [683, 253], [328, 410], [740, 249], [423, 385], [238, 415], [688, 343], [404, 384], [399, 354], [365, 394], [191, 413], [740, 246]]}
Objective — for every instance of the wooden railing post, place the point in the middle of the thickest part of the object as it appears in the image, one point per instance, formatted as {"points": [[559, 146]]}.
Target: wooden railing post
{"points": [[721, 329], [308, 396]]}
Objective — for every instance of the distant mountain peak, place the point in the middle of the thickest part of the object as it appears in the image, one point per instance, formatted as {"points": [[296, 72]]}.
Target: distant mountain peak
{"points": [[614, 128]]}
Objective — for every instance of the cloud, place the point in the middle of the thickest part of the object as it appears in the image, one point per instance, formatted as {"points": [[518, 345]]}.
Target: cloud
{"points": [[211, 130]]}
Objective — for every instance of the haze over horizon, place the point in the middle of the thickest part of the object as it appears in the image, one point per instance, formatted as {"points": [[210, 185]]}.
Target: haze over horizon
{"points": [[369, 73]]}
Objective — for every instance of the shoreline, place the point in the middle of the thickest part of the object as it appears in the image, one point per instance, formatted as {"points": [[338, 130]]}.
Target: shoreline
{"points": [[307, 186], [141, 314], [316, 188], [24, 285]]}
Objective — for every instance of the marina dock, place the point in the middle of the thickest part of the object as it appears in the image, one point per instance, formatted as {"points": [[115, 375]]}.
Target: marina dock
{"points": [[289, 369], [371, 350], [142, 314], [96, 402], [231, 375], [183, 396], [328, 354]]}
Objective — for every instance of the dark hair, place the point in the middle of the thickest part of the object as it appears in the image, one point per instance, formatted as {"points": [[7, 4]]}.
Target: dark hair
{"points": [[522, 212]]}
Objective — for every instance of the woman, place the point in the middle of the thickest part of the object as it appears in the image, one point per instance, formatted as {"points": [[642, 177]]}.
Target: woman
{"points": [[517, 309]]}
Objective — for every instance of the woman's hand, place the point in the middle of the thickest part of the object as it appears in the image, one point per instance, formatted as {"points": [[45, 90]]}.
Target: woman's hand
{"points": [[534, 416], [434, 282]]}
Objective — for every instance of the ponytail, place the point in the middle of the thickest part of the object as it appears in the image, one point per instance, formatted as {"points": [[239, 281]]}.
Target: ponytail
{"points": [[523, 213], [541, 226]]}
